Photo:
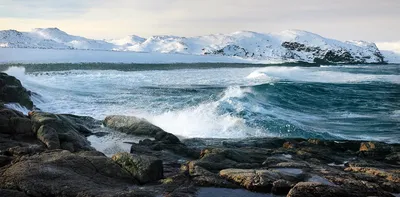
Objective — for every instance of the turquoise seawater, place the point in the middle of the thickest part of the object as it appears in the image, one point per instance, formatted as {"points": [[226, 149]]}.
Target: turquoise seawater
{"points": [[359, 102]]}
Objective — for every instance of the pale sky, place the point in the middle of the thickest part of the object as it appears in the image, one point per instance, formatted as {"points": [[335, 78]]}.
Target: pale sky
{"points": [[371, 20]]}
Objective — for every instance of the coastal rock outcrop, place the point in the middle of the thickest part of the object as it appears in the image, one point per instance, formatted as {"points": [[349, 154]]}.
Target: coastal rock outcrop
{"points": [[59, 131], [12, 91], [62, 173], [316, 167]]}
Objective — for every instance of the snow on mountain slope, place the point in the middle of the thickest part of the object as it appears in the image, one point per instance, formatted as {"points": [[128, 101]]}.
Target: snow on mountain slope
{"points": [[16, 39], [290, 45], [75, 42], [286, 46], [127, 41]]}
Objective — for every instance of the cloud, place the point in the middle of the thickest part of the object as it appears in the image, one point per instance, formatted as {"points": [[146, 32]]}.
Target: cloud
{"points": [[390, 46], [44, 9], [341, 19]]}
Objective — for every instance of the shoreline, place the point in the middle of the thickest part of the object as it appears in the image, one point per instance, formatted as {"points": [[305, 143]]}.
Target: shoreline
{"points": [[65, 56], [45, 154]]}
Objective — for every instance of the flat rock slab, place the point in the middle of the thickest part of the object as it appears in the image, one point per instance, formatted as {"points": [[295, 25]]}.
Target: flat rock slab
{"points": [[255, 180]]}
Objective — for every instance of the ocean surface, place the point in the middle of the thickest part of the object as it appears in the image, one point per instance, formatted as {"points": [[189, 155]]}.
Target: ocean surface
{"points": [[360, 102]]}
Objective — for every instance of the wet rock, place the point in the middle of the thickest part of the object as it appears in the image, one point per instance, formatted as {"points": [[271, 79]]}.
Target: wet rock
{"points": [[49, 137], [291, 174], [138, 126], [204, 178], [12, 193], [291, 164], [374, 150], [359, 187], [267, 143], [319, 179], [53, 125], [393, 158], [281, 187], [390, 175], [21, 126], [9, 119], [16, 136], [317, 189], [83, 123], [177, 148], [12, 91], [144, 168], [4, 160], [216, 159], [23, 149], [324, 154], [179, 186], [255, 180], [61, 173], [274, 160], [67, 146], [289, 145]]}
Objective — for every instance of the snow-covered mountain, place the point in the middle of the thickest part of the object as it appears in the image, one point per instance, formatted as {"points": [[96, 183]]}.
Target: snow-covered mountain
{"points": [[286, 46], [49, 38]]}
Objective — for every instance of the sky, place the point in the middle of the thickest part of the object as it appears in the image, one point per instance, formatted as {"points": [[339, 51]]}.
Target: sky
{"points": [[371, 20]]}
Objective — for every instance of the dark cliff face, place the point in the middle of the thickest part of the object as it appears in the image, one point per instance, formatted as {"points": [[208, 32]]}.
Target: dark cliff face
{"points": [[296, 51], [332, 56], [231, 50], [12, 91]]}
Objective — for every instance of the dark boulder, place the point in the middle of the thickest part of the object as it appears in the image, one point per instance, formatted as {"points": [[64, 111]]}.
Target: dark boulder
{"points": [[49, 137], [4, 160], [12, 91], [12, 193], [144, 168], [139, 126], [9, 122]]}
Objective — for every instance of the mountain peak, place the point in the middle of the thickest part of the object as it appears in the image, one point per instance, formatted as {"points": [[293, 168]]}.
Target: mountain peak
{"points": [[51, 29]]}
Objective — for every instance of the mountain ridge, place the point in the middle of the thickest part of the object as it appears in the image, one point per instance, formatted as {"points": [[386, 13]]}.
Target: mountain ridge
{"points": [[285, 46]]}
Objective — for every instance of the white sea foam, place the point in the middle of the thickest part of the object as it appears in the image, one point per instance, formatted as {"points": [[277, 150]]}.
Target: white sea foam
{"points": [[318, 75], [205, 120], [18, 107], [16, 71]]}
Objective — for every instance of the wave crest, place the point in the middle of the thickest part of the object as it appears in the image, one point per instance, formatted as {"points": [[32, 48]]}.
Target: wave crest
{"points": [[317, 75]]}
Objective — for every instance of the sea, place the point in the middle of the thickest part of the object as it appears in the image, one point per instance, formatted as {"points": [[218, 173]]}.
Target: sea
{"points": [[336, 102]]}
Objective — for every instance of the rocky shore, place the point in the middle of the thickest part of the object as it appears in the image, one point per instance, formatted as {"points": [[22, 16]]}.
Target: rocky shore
{"points": [[45, 154]]}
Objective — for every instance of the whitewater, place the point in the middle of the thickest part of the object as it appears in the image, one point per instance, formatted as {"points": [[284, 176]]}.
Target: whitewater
{"points": [[358, 102]]}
